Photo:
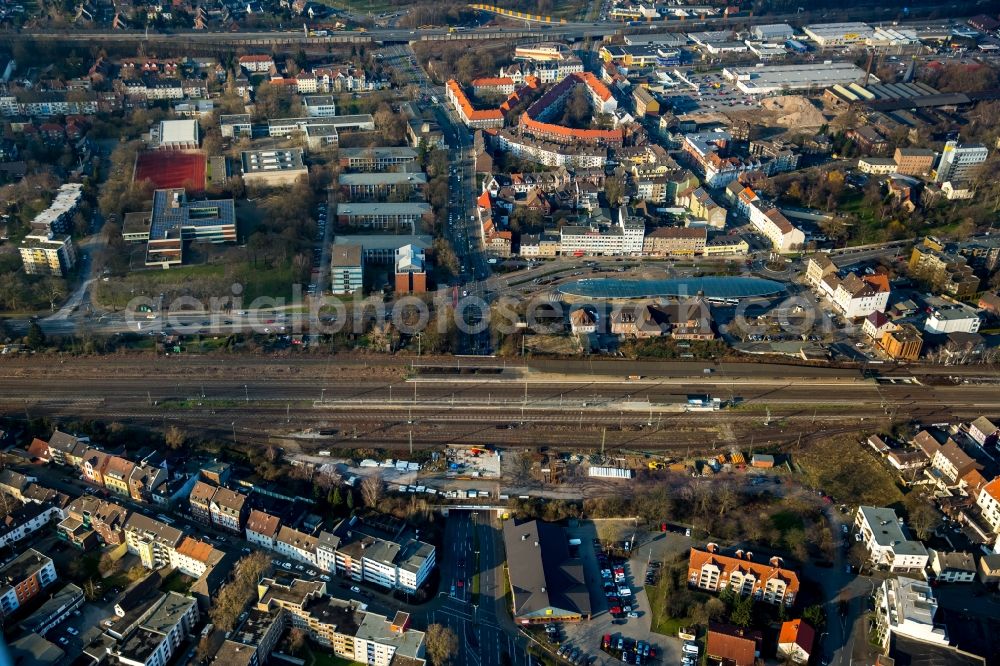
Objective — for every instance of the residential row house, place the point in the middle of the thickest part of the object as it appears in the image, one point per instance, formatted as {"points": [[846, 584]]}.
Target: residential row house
{"points": [[91, 522], [143, 481], [219, 506], [348, 550], [25, 520], [855, 296]]}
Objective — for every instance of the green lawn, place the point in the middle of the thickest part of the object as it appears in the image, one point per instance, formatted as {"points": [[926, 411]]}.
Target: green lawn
{"points": [[327, 659], [786, 520], [662, 623], [841, 467], [177, 582], [361, 6], [216, 279]]}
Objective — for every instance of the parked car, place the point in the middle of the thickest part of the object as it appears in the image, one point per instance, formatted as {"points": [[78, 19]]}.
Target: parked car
{"points": [[355, 589]]}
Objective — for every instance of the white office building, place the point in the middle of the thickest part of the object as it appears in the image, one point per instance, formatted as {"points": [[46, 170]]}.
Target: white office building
{"points": [[772, 32], [827, 35], [320, 106], [952, 318], [888, 546], [958, 162], [624, 238]]}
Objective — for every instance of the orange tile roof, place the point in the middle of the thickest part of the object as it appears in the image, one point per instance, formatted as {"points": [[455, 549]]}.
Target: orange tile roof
{"points": [[196, 550], [595, 84], [490, 81], [880, 281], [993, 488], [763, 572], [579, 134], [484, 200], [798, 632], [201, 492], [38, 448], [120, 467], [973, 479], [747, 194], [466, 105], [734, 645]]}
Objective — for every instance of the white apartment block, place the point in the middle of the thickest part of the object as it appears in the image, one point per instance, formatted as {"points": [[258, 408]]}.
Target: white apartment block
{"points": [[989, 503], [770, 223], [887, 545], [360, 557], [159, 636], [624, 238], [906, 607], [551, 154], [957, 318], [857, 297], [256, 63], [32, 517]]}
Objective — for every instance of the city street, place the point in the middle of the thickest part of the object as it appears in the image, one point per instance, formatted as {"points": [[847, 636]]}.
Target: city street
{"points": [[477, 623]]}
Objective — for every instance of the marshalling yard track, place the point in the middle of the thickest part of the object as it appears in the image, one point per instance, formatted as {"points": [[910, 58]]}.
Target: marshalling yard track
{"points": [[393, 402]]}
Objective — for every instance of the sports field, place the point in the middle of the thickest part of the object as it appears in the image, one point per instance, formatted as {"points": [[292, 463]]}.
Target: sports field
{"points": [[172, 168]]}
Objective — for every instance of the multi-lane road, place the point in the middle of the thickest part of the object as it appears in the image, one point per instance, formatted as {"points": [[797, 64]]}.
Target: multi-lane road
{"points": [[487, 636]]}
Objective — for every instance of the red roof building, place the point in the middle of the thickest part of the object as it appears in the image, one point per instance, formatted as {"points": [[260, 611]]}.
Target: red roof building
{"points": [[732, 646], [796, 641], [709, 570]]}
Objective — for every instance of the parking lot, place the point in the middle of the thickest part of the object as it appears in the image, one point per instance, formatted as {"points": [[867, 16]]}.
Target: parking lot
{"points": [[708, 91], [633, 626]]}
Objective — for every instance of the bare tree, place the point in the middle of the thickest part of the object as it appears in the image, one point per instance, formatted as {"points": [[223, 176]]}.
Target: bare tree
{"points": [[442, 644], [237, 593], [175, 437], [372, 489], [296, 640]]}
